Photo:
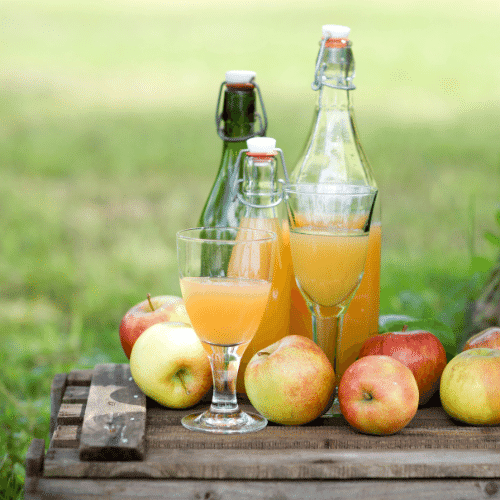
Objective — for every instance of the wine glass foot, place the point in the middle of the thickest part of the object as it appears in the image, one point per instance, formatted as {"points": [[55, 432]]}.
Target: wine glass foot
{"points": [[234, 423]]}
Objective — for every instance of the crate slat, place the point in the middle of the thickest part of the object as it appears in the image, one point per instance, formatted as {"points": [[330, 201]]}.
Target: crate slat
{"points": [[282, 464], [118, 489], [114, 424]]}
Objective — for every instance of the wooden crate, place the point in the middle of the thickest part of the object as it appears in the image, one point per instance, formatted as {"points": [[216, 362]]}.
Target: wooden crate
{"points": [[109, 441]]}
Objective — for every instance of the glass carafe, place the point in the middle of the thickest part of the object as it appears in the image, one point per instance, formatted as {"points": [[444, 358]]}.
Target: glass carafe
{"points": [[333, 154]]}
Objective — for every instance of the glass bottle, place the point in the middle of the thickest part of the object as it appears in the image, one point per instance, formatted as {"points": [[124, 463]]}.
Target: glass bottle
{"points": [[333, 154], [239, 114], [262, 204]]}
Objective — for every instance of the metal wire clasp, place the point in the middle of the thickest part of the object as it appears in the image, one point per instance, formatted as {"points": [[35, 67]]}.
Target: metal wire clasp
{"points": [[280, 182], [319, 70], [218, 117]]}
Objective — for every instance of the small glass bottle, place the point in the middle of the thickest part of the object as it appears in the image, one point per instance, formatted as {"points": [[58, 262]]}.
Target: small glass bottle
{"points": [[239, 114], [262, 204], [333, 154]]}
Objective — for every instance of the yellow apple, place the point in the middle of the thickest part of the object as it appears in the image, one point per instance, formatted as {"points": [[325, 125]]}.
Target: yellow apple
{"points": [[378, 395], [170, 365], [291, 382], [470, 386]]}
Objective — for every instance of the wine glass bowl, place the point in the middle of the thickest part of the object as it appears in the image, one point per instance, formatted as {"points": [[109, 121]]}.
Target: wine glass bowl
{"points": [[225, 278], [329, 228]]}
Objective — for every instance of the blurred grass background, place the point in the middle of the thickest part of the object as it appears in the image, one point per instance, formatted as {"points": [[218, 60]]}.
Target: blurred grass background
{"points": [[108, 147]]}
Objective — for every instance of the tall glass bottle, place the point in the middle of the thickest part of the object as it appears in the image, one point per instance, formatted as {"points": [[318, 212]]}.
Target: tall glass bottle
{"points": [[333, 154], [261, 202], [239, 114]]}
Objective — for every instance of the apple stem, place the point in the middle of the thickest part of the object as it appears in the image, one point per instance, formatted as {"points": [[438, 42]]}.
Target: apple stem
{"points": [[150, 303], [404, 328]]}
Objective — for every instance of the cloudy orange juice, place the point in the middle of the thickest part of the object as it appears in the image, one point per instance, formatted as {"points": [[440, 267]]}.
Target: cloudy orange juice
{"points": [[361, 318], [276, 318], [225, 311]]}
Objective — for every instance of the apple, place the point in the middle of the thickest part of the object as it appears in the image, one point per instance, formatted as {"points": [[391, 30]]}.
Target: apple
{"points": [[378, 395], [170, 365], [470, 386], [487, 338], [147, 313], [290, 382], [421, 351]]}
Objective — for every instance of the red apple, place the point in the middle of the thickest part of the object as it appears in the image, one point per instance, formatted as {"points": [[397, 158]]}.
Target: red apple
{"points": [[147, 313], [487, 338], [470, 386], [422, 352], [290, 382], [378, 395]]}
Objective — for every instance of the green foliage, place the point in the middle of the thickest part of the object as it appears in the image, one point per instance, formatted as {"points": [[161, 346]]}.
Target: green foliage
{"points": [[494, 239]]}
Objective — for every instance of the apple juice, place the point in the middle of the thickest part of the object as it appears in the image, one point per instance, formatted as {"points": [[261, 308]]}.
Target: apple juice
{"points": [[225, 311], [275, 322], [361, 318]]}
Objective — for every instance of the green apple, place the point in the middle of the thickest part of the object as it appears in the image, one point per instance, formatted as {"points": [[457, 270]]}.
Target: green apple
{"points": [[470, 386], [378, 395], [170, 365], [291, 382]]}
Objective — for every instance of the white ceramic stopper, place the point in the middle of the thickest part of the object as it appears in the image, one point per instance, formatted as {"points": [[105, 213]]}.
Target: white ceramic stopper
{"points": [[261, 144], [239, 77], [336, 31]]}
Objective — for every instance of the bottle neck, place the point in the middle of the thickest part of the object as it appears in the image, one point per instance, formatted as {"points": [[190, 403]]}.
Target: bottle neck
{"points": [[334, 67], [238, 113], [260, 182]]}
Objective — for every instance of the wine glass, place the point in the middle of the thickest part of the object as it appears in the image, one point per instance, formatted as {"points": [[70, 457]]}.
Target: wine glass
{"points": [[225, 278], [329, 229]]}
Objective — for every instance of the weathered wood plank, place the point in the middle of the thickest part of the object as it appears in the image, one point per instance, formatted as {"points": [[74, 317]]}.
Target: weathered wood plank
{"points": [[114, 424], [35, 458], [57, 389], [86, 489], [71, 414], [80, 377], [283, 464], [75, 394], [66, 436]]}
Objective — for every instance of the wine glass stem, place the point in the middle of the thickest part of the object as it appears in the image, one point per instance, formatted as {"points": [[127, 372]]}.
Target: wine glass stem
{"points": [[225, 363], [327, 331]]}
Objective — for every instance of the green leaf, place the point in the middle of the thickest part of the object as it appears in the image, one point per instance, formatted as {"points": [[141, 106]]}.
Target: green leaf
{"points": [[492, 238], [395, 323], [480, 264], [497, 217]]}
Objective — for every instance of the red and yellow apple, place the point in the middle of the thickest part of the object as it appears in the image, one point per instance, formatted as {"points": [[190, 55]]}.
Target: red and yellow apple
{"points": [[470, 386], [170, 365], [422, 352], [487, 338], [291, 382], [147, 313], [378, 395]]}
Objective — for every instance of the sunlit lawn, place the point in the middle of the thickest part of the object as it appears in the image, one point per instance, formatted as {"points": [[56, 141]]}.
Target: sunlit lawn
{"points": [[108, 147]]}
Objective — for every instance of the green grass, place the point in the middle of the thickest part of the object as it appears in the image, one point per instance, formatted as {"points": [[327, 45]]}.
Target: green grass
{"points": [[108, 147]]}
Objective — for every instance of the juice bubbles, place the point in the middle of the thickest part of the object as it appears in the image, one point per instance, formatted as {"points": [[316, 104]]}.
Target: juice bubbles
{"points": [[276, 318], [361, 318]]}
